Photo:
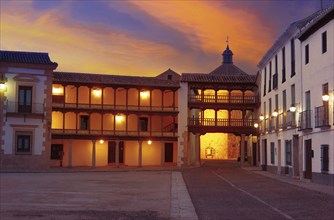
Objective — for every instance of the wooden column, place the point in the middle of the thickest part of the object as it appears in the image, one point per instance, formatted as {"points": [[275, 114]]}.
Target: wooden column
{"points": [[162, 161], [138, 98], [242, 150], [150, 99], [115, 95], [197, 149], [77, 96], [69, 141], [162, 100], [90, 96], [64, 88], [94, 153], [140, 143], [127, 98]]}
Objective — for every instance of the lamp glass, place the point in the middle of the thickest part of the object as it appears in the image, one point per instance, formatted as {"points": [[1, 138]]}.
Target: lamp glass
{"points": [[144, 94], [261, 117], [275, 113], [119, 118], [256, 125], [292, 108], [149, 142], [101, 141], [2, 86], [97, 92], [325, 98]]}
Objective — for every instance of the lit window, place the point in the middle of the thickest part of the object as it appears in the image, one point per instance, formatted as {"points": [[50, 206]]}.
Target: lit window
{"points": [[57, 90], [97, 92], [144, 94]]}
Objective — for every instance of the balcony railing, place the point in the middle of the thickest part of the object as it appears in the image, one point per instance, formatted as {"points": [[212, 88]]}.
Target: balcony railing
{"points": [[305, 120], [322, 116], [221, 122], [272, 124], [18, 108], [223, 99], [290, 119], [282, 121], [113, 107], [114, 133]]}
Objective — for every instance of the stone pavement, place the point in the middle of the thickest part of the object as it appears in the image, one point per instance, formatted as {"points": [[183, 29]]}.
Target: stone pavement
{"points": [[86, 193], [327, 189]]}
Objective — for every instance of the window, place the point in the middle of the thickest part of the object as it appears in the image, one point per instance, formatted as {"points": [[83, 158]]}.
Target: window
{"points": [[307, 54], [293, 70], [23, 142], [324, 158], [25, 99], [293, 94], [283, 65], [56, 151], [325, 92], [284, 100], [269, 87], [272, 152], [143, 122], [170, 77], [84, 122], [324, 42], [265, 81], [275, 76], [288, 152]]}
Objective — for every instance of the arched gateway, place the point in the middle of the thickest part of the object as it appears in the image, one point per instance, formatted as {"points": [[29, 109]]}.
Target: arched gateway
{"points": [[220, 120]]}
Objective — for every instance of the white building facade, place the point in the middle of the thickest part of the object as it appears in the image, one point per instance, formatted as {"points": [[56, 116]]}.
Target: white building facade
{"points": [[296, 113]]}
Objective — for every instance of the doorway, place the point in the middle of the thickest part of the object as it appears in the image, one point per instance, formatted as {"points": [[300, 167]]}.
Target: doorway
{"points": [[264, 154], [279, 158], [169, 152], [308, 159], [295, 155], [112, 152]]}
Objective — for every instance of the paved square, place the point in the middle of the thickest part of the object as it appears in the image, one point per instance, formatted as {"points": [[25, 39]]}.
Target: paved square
{"points": [[86, 195]]}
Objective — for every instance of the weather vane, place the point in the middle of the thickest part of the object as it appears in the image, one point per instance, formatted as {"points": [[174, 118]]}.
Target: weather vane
{"points": [[227, 39]]}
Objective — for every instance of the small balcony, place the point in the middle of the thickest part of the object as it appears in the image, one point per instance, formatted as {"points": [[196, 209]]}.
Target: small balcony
{"points": [[198, 101], [322, 116], [290, 119], [282, 121], [31, 110], [305, 120], [237, 126]]}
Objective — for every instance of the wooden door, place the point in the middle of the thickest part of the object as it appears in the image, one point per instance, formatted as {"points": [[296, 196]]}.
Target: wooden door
{"points": [[111, 151], [308, 159], [168, 152]]}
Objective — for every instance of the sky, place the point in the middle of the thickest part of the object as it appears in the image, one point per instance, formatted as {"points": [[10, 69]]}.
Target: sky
{"points": [[145, 38]]}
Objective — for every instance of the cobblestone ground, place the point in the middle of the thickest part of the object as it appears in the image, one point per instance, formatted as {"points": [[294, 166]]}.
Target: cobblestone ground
{"points": [[85, 195]]}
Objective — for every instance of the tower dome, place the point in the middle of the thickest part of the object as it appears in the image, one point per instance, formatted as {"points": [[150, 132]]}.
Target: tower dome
{"points": [[227, 55]]}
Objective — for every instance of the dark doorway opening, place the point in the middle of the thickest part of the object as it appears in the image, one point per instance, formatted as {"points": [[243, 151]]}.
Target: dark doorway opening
{"points": [[168, 152], [112, 152], [308, 159]]}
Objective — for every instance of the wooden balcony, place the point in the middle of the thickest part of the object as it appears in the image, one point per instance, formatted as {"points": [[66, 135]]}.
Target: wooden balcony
{"points": [[222, 101], [211, 125], [113, 134], [108, 108]]}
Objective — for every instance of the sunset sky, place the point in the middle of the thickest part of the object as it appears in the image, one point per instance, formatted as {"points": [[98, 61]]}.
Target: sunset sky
{"points": [[147, 37]]}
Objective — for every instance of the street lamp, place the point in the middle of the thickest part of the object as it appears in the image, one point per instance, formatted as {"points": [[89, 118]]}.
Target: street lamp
{"points": [[292, 108], [261, 117]]}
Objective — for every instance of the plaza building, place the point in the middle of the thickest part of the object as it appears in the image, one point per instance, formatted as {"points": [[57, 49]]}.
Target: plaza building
{"points": [[71, 119], [297, 83], [219, 119]]}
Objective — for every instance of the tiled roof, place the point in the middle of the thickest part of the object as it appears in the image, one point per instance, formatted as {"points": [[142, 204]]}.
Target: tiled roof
{"points": [[291, 32], [227, 69], [211, 78], [175, 76], [104, 79], [25, 57]]}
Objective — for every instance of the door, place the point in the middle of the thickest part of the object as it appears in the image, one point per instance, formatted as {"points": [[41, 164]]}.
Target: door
{"points": [[25, 99], [56, 152], [264, 154], [168, 152], [279, 156], [254, 154], [295, 155], [112, 152], [308, 159]]}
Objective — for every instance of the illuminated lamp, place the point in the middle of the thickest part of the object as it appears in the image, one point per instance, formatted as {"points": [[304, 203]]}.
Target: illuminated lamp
{"points": [[325, 98], [261, 117], [119, 118], [144, 94], [292, 108], [101, 141], [275, 113], [2, 87], [149, 142], [256, 125], [97, 92], [56, 90]]}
